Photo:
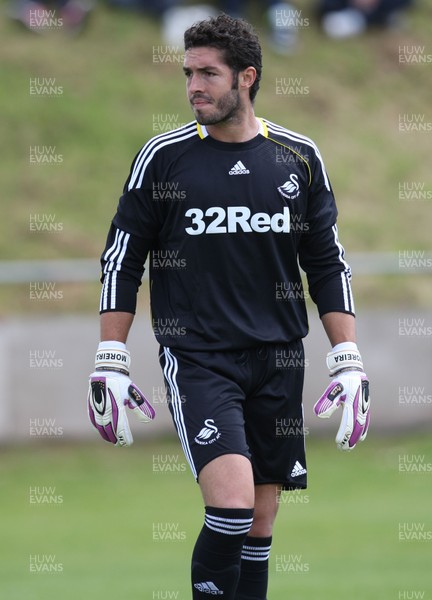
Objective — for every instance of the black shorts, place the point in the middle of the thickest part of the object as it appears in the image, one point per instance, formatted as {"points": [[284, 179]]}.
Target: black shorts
{"points": [[245, 402]]}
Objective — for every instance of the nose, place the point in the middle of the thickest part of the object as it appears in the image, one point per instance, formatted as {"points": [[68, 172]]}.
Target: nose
{"points": [[195, 83]]}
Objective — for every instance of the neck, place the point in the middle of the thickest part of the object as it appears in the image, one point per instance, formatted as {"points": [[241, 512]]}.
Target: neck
{"points": [[240, 128]]}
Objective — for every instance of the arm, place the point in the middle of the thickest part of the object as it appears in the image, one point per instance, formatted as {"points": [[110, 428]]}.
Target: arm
{"points": [[329, 276], [339, 327], [115, 326], [132, 233]]}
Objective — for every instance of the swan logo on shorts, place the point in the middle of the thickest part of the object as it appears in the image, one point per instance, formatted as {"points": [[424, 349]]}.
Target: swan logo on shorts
{"points": [[208, 434]]}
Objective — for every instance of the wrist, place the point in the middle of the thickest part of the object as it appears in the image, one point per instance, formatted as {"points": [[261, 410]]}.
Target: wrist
{"points": [[345, 346], [111, 344], [344, 357], [112, 356]]}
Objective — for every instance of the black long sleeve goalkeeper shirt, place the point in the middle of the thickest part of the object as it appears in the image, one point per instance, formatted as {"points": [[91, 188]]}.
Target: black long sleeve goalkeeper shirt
{"points": [[225, 227]]}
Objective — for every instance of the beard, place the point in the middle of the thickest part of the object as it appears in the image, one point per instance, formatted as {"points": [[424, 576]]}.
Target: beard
{"points": [[223, 109]]}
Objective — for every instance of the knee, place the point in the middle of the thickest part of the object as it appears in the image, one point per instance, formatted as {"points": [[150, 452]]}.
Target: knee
{"points": [[262, 525], [265, 511], [227, 482]]}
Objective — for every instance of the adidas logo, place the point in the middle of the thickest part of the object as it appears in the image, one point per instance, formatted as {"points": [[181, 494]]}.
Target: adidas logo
{"points": [[298, 470], [239, 169], [208, 587]]}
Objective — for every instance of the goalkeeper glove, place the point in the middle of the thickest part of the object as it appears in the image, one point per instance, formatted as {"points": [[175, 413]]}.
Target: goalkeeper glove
{"points": [[349, 388], [111, 391]]}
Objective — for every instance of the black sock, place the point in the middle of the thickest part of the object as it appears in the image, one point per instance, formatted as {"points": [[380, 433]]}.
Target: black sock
{"points": [[253, 580], [217, 553]]}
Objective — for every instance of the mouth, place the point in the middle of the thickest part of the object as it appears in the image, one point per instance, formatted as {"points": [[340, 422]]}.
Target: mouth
{"points": [[199, 102]]}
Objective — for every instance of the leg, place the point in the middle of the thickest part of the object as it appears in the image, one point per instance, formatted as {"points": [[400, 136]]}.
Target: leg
{"points": [[227, 487], [274, 426], [227, 482], [266, 507], [253, 581], [210, 425]]}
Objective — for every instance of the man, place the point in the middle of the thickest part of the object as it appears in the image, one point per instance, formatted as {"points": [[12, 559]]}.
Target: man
{"points": [[252, 199]]}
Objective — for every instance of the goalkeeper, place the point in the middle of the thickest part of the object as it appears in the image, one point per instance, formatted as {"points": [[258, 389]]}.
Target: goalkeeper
{"points": [[227, 207]]}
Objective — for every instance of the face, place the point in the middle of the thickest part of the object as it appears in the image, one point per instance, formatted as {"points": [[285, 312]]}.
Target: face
{"points": [[211, 86]]}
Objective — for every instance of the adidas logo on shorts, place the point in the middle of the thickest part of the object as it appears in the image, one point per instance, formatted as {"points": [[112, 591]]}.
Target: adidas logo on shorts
{"points": [[239, 169], [208, 587], [298, 470]]}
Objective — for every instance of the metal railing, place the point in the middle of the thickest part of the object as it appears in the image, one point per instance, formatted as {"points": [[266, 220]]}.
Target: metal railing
{"points": [[403, 262]]}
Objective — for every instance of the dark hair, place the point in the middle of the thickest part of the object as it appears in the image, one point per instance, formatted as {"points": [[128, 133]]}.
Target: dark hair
{"points": [[236, 39]]}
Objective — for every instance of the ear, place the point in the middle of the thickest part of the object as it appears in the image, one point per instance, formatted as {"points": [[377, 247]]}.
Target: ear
{"points": [[247, 77]]}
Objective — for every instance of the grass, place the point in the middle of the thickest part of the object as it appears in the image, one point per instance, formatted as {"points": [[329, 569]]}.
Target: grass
{"points": [[343, 531], [115, 94]]}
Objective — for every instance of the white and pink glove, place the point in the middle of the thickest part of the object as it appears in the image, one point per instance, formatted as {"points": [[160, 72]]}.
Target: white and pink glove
{"points": [[349, 388], [111, 391]]}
